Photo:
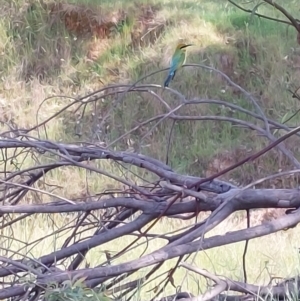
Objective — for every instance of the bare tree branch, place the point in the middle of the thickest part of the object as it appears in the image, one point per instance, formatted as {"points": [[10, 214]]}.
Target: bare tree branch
{"points": [[259, 15], [151, 191]]}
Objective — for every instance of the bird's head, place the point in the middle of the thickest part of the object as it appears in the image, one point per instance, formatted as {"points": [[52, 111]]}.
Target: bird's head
{"points": [[183, 46]]}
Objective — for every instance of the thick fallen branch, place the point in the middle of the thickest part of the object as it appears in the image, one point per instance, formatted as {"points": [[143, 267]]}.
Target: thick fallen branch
{"points": [[73, 155], [282, 290], [134, 205], [239, 200], [169, 252]]}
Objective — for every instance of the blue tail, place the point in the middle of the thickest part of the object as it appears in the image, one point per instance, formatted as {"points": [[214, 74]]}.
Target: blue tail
{"points": [[169, 78]]}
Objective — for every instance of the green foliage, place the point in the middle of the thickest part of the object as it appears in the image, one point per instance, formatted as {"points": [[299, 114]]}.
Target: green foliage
{"points": [[73, 290]]}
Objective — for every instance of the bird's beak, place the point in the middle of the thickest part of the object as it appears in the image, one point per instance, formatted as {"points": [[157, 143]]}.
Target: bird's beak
{"points": [[187, 45]]}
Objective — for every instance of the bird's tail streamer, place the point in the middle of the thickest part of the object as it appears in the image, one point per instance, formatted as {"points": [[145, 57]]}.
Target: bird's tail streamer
{"points": [[167, 81]]}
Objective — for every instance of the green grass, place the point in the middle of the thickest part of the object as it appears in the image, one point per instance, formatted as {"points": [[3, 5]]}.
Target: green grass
{"points": [[39, 60]]}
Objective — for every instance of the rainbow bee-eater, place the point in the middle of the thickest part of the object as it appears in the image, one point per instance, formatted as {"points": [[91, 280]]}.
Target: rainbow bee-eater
{"points": [[178, 59]]}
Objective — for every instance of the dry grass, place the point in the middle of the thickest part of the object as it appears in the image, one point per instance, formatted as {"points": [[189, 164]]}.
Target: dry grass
{"points": [[39, 60]]}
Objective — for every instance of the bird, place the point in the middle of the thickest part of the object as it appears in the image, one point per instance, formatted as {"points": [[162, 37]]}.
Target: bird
{"points": [[177, 61]]}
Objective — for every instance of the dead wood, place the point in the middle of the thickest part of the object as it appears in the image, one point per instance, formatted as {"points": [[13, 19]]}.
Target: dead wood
{"points": [[136, 202]]}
